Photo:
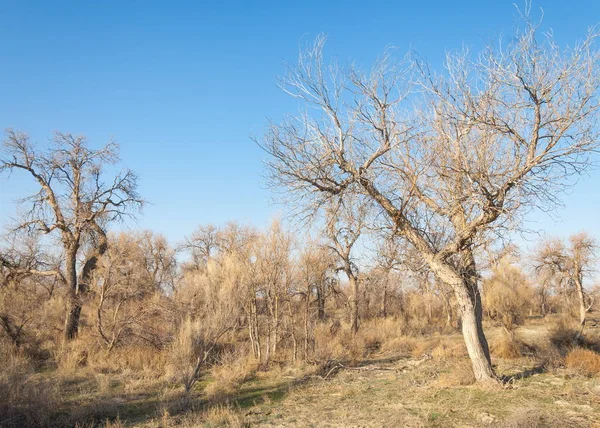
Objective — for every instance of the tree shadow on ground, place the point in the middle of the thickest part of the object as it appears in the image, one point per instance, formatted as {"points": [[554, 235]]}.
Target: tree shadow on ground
{"points": [[507, 379]]}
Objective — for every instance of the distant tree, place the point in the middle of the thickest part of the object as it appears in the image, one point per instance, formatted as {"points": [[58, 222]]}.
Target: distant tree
{"points": [[490, 138], [74, 200], [128, 283], [570, 265], [345, 224], [388, 257]]}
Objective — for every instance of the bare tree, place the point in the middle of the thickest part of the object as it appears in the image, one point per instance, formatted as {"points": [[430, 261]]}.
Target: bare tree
{"points": [[345, 224], [490, 138], [570, 265], [135, 271], [388, 258], [73, 200]]}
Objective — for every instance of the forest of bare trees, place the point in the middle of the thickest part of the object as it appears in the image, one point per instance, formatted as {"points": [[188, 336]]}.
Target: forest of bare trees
{"points": [[407, 189]]}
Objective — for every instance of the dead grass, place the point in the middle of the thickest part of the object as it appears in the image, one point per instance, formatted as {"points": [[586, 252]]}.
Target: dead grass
{"points": [[387, 380], [223, 416], [459, 374], [229, 375]]}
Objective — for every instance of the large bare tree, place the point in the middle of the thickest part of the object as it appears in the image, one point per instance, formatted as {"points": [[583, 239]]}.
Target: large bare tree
{"points": [[74, 200], [449, 159]]}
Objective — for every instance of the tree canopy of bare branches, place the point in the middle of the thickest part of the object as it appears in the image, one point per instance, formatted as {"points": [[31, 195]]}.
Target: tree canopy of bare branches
{"points": [[75, 200], [447, 158]]}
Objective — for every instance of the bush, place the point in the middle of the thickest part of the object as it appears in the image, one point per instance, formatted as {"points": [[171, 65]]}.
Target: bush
{"points": [[583, 361], [506, 346], [507, 295]]}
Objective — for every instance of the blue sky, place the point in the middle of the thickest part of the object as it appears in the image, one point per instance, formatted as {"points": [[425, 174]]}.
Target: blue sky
{"points": [[182, 86]]}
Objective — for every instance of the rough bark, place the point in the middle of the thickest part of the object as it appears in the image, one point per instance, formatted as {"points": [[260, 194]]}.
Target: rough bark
{"points": [[467, 294], [73, 301]]}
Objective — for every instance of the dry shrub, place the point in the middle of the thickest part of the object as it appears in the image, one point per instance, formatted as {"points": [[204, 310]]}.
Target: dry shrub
{"points": [[563, 334], [377, 336], [183, 354], [507, 294], [330, 345], [583, 361], [506, 346], [460, 374], [551, 358]]}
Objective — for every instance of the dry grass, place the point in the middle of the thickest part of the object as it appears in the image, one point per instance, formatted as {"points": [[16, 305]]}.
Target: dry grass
{"points": [[460, 374], [235, 368], [223, 416], [25, 399], [583, 361], [397, 380]]}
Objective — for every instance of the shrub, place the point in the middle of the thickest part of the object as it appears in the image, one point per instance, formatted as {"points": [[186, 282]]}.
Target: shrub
{"points": [[507, 295], [506, 346], [583, 361]]}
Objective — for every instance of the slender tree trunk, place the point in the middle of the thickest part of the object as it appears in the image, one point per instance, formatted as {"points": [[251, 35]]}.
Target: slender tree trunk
{"points": [[448, 308], [254, 330], [77, 286], [582, 307], [353, 302], [320, 302], [384, 299], [251, 335], [543, 307], [292, 330], [275, 326], [306, 320]]}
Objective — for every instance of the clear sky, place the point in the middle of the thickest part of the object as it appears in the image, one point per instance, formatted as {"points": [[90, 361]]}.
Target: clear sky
{"points": [[182, 86]]}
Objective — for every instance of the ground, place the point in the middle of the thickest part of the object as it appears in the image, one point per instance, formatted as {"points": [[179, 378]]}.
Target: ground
{"points": [[429, 386]]}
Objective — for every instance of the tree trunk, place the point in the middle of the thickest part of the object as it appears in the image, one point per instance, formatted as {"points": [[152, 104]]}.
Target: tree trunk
{"points": [[448, 308], [384, 300], [468, 298], [306, 318], [353, 302], [582, 308], [292, 330], [320, 302], [469, 302], [73, 302]]}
